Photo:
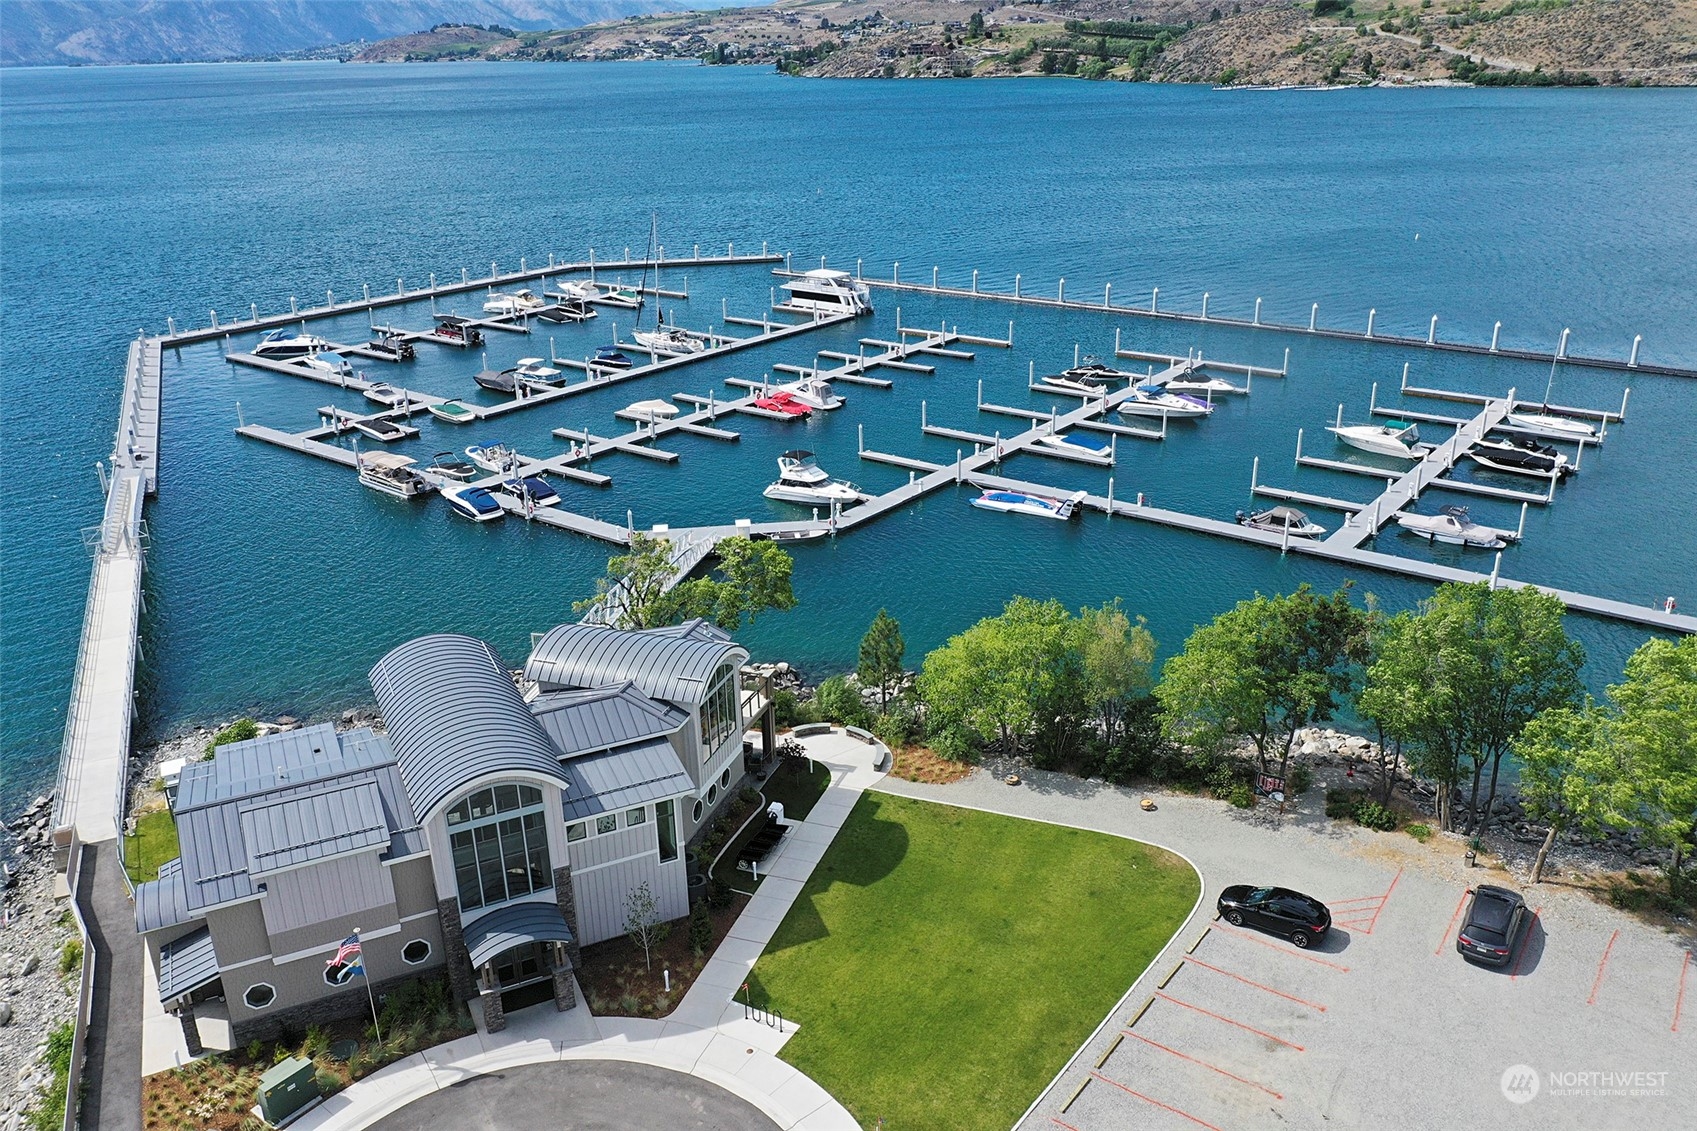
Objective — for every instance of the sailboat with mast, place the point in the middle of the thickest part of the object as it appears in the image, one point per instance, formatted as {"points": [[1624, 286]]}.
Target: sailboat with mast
{"points": [[662, 339], [1548, 424]]}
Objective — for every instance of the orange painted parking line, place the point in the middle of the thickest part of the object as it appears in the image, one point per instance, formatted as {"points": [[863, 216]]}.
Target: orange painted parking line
{"points": [[1157, 1103], [1384, 901], [1205, 1064], [1247, 937], [1679, 999], [1602, 965], [1058, 1123], [1514, 975], [1229, 1021], [1458, 906], [1257, 985]]}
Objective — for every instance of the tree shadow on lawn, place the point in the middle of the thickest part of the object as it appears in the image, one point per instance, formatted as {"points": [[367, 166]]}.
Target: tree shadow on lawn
{"points": [[866, 849]]}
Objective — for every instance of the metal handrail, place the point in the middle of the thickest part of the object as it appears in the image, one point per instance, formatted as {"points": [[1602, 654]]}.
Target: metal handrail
{"points": [[85, 999]]}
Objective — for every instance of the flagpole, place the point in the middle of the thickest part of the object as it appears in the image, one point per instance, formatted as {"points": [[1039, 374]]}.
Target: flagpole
{"points": [[369, 996]]}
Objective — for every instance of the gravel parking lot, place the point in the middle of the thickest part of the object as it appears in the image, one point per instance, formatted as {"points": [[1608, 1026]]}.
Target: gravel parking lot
{"points": [[1383, 1024]]}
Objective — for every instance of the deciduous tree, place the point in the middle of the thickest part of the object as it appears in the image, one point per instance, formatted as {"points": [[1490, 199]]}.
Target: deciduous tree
{"points": [[1119, 658], [643, 923]]}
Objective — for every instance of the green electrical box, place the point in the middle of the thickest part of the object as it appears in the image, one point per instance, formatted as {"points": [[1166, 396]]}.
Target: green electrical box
{"points": [[289, 1086]]}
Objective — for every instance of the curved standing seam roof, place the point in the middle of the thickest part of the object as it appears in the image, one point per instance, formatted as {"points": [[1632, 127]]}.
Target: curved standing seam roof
{"points": [[454, 716], [662, 664]]}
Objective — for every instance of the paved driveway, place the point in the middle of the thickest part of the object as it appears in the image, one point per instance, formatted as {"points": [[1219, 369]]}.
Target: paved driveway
{"points": [[1382, 1026], [579, 1095]]}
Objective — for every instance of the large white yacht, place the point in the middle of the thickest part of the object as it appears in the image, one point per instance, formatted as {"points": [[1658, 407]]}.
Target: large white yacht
{"points": [[801, 480], [828, 292]]}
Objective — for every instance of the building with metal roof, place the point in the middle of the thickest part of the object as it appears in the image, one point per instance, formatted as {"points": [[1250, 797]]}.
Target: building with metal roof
{"points": [[496, 825]]}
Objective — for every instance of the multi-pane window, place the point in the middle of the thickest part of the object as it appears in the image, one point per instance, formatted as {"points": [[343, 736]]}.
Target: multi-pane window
{"points": [[499, 838], [719, 711]]}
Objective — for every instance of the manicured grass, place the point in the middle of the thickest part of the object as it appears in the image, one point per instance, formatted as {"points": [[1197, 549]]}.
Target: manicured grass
{"points": [[944, 963], [154, 842]]}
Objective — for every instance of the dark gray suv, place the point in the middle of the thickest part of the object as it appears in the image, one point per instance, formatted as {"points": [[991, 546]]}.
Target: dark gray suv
{"points": [[1495, 924]]}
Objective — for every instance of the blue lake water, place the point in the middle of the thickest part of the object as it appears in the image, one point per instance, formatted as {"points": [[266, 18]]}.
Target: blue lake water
{"points": [[131, 194]]}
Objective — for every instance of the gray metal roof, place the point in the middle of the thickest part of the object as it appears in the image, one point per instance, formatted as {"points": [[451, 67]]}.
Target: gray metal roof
{"points": [[279, 800], [624, 778], [674, 664], [601, 718], [512, 926], [329, 822], [454, 715], [186, 964], [163, 902]]}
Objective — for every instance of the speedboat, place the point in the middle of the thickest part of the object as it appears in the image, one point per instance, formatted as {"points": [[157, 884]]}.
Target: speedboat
{"points": [[814, 392], [391, 346], [828, 292], [531, 372], [495, 457], [339, 367], [1195, 381], [628, 297], [666, 340], [453, 329], [784, 403], [567, 312], [1092, 448], [498, 380], [1091, 378], [475, 503], [1552, 426], [540, 492], [1394, 438], [652, 410], [384, 431], [386, 394], [1453, 526], [451, 412], [289, 343], [801, 480], [1282, 520], [1152, 400], [391, 474], [451, 466], [610, 357], [1520, 457], [1019, 502], [519, 302], [575, 293]]}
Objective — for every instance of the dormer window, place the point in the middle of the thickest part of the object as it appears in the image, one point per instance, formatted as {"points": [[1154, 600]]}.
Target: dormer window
{"points": [[499, 837]]}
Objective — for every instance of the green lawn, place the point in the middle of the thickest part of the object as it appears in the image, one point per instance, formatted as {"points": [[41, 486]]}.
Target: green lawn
{"points": [[944, 963], [154, 842]]}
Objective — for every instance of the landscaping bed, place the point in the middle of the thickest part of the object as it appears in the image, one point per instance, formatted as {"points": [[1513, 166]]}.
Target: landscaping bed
{"points": [[618, 982], [798, 784], [944, 963], [922, 764]]}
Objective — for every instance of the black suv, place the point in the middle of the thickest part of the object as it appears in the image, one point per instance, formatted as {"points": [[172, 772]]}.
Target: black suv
{"points": [[1495, 923], [1300, 918]]}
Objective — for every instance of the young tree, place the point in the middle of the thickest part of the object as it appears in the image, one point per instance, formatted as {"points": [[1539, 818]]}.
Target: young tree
{"points": [[643, 923], [1570, 775], [1264, 670], [881, 652], [1119, 659]]}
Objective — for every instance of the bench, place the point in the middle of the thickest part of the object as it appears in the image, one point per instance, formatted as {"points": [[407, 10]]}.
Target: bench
{"points": [[807, 729], [765, 839]]}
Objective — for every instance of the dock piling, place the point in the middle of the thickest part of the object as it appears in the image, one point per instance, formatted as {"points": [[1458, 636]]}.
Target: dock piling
{"points": [[239, 421], [1204, 306], [1110, 496], [1061, 292], [860, 439], [1107, 296], [214, 315], [1154, 300], [1495, 330], [1632, 362], [1496, 567], [292, 308], [1257, 311], [1299, 447], [1624, 397], [933, 277], [1370, 316], [253, 311], [1284, 372], [1432, 333], [1313, 317], [1373, 399], [1254, 474], [367, 287], [171, 326]]}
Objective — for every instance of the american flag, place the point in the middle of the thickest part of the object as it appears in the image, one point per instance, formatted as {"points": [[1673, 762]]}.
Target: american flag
{"points": [[348, 954]]}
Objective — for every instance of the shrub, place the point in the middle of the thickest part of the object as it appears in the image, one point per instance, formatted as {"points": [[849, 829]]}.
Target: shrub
{"points": [[700, 929], [1242, 796], [239, 731], [1327, 7], [1224, 777], [70, 956], [255, 1050], [1301, 777], [1340, 803], [316, 1044], [841, 703], [1372, 815], [899, 726], [1421, 833]]}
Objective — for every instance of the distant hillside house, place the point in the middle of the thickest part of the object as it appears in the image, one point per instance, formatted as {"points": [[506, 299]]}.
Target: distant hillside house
{"points": [[496, 828]]}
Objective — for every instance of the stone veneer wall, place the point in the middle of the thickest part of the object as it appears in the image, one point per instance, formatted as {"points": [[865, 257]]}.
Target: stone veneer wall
{"points": [[567, 901], [458, 958], [291, 1024]]}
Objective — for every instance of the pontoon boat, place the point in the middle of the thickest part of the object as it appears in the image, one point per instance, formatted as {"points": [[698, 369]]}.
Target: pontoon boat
{"points": [[392, 474]]}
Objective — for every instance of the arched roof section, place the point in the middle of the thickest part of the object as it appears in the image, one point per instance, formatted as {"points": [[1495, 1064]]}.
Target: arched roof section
{"points": [[673, 664]]}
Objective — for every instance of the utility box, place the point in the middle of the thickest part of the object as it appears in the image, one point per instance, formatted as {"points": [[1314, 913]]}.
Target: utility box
{"points": [[289, 1086]]}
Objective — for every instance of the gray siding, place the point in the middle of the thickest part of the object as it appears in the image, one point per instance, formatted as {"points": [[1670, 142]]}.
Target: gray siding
{"points": [[307, 897], [238, 932], [596, 850], [601, 893], [415, 887], [302, 981], [324, 934]]}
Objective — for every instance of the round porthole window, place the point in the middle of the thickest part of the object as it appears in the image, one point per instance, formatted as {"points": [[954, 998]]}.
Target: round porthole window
{"points": [[695, 814], [259, 995], [415, 952], [712, 794], [725, 779]]}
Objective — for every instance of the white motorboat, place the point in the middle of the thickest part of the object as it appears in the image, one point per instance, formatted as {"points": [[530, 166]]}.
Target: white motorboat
{"points": [[451, 412], [1395, 438], [1040, 506], [1282, 520], [1453, 526], [814, 392], [450, 466], [1077, 444], [532, 488], [1552, 427], [823, 291], [532, 373], [519, 302], [652, 410], [496, 457], [667, 340], [619, 295], [334, 366], [387, 395], [1193, 380], [475, 503], [1152, 400], [391, 474], [288, 343], [1090, 378], [802, 480], [575, 292], [1520, 457]]}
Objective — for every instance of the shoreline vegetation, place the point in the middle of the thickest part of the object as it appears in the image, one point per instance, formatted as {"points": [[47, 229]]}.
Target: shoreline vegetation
{"points": [[1234, 44]]}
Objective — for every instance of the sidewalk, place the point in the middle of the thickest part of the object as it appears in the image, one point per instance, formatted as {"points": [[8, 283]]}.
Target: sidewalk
{"points": [[706, 1036]]}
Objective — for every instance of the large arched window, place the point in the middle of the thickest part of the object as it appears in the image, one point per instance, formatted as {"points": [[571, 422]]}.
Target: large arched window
{"points": [[500, 843], [719, 711]]}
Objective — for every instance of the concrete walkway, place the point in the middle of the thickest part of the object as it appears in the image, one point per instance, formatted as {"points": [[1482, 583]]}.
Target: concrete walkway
{"points": [[112, 1069], [707, 1036]]}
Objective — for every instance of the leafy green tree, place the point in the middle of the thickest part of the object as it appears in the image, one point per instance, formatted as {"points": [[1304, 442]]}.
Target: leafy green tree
{"points": [[1463, 677], [840, 703], [1655, 734], [643, 923], [975, 26], [881, 652], [641, 589], [1119, 659], [1264, 670], [1570, 775], [635, 583]]}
